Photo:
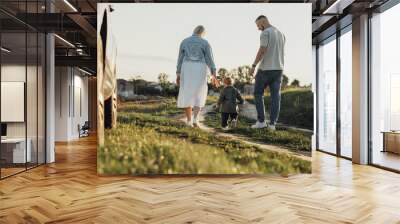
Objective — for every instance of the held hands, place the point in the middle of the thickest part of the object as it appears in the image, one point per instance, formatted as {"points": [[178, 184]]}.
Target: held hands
{"points": [[251, 72], [240, 107], [178, 78], [216, 107], [214, 80]]}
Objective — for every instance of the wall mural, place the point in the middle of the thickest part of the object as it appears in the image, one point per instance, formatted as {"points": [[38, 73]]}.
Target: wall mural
{"points": [[182, 96]]}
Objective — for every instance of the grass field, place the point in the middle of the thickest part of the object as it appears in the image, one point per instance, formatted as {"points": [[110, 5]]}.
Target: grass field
{"points": [[148, 140]]}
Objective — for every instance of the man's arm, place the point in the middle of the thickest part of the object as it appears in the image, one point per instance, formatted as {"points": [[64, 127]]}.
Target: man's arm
{"points": [[260, 54], [264, 39]]}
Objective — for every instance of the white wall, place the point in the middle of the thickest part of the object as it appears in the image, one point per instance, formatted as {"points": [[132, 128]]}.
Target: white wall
{"points": [[79, 115], [71, 94], [61, 103]]}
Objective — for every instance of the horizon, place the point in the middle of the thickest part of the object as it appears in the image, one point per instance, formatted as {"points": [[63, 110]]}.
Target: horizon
{"points": [[129, 78]]}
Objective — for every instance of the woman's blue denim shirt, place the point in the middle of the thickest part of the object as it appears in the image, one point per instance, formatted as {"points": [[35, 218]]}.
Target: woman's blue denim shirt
{"points": [[195, 48]]}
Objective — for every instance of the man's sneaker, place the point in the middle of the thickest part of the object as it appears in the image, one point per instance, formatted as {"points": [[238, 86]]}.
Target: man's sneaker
{"points": [[225, 128], [271, 127], [233, 123], [259, 125]]}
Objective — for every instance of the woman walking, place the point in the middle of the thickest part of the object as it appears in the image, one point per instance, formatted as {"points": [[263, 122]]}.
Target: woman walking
{"points": [[195, 56]]}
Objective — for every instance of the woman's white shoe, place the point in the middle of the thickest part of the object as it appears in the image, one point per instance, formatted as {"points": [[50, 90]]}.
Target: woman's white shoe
{"points": [[195, 122], [189, 123]]}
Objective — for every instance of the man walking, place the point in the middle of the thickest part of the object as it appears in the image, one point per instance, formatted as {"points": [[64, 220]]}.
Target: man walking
{"points": [[270, 55]]}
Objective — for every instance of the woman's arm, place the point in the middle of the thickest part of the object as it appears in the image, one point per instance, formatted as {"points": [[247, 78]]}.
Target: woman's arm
{"points": [[210, 59], [180, 59]]}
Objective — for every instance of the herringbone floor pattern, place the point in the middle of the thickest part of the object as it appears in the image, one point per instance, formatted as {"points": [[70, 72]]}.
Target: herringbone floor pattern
{"points": [[70, 191]]}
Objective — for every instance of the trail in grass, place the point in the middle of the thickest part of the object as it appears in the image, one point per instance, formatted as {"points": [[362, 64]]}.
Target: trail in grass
{"points": [[245, 139]]}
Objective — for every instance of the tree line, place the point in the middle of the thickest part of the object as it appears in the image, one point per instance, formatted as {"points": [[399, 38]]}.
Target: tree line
{"points": [[240, 76]]}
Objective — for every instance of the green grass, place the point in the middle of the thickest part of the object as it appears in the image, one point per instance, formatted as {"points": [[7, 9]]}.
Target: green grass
{"points": [[140, 150], [211, 100], [152, 143], [165, 107], [294, 140], [297, 107]]}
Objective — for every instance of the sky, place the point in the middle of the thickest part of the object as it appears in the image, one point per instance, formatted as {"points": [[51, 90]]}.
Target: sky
{"points": [[148, 35]]}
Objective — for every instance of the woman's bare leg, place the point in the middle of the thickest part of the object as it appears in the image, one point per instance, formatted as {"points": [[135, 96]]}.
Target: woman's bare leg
{"points": [[188, 112], [196, 111]]}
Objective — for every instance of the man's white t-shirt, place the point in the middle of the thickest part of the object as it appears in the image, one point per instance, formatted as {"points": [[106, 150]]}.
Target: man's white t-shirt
{"points": [[274, 41]]}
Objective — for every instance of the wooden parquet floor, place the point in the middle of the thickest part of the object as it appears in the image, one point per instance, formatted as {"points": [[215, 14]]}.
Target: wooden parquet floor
{"points": [[70, 191]]}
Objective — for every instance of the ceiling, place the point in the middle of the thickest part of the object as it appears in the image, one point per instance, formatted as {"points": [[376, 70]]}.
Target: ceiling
{"points": [[74, 21]]}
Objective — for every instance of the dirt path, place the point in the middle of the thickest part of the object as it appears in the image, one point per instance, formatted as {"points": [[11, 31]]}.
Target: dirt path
{"points": [[243, 138]]}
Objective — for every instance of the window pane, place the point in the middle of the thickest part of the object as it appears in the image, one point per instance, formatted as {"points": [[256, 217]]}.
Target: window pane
{"points": [[13, 85], [385, 84], [346, 94], [327, 97]]}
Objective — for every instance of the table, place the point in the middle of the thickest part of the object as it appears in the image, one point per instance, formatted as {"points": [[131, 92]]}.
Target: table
{"points": [[391, 141], [13, 150]]}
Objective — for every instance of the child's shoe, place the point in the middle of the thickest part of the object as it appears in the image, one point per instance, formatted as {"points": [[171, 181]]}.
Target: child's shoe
{"points": [[233, 123]]}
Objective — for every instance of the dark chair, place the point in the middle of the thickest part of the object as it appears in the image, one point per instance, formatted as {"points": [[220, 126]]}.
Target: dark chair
{"points": [[84, 130]]}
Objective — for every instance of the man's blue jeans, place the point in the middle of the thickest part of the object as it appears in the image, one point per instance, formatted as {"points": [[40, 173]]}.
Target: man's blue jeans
{"points": [[273, 79]]}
